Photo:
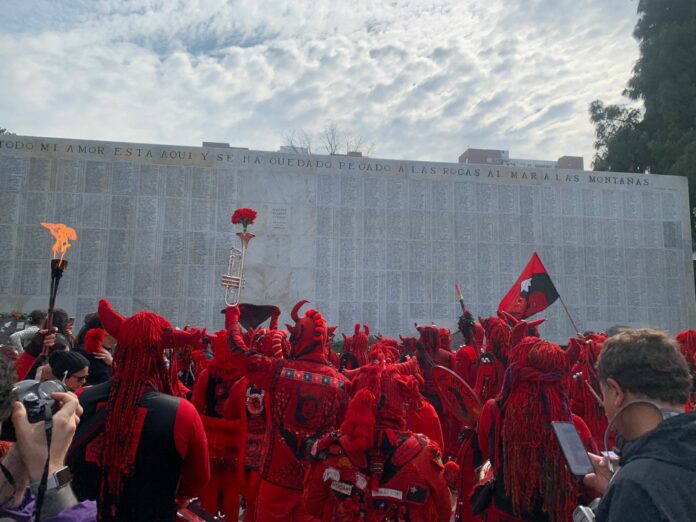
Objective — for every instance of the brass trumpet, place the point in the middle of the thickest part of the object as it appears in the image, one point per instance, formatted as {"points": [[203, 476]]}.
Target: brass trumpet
{"points": [[233, 280]]}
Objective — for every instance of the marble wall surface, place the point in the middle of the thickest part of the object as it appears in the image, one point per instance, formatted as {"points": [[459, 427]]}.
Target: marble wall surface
{"points": [[366, 240]]}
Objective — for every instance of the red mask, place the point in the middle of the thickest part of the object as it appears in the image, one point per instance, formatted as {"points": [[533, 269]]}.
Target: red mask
{"points": [[308, 335]]}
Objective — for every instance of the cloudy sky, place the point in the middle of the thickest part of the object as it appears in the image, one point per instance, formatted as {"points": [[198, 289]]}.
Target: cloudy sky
{"points": [[421, 79]]}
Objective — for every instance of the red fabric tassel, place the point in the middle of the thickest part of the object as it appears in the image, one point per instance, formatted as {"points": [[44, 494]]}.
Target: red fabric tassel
{"points": [[94, 340], [359, 422]]}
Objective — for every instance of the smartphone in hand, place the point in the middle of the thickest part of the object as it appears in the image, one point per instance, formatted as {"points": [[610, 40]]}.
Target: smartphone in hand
{"points": [[573, 449]]}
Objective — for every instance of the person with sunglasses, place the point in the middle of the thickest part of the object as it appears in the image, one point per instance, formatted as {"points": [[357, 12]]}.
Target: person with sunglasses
{"points": [[70, 367]]}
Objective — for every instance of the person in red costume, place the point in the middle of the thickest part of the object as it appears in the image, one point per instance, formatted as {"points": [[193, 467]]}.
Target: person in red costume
{"points": [[467, 356], [430, 353], [333, 356], [493, 361], [407, 347], [389, 347], [307, 399], [138, 448], [373, 468], [531, 479], [585, 401], [520, 327], [210, 393], [355, 349], [421, 416], [250, 404], [687, 345]]}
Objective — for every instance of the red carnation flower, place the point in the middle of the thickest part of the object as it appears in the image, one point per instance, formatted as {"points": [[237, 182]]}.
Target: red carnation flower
{"points": [[244, 216]]}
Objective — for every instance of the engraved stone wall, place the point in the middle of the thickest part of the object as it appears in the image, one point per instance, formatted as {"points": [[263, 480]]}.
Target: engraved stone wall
{"points": [[366, 240]]}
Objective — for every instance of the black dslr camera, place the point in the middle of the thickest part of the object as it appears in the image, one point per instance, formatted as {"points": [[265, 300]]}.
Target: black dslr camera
{"points": [[37, 400]]}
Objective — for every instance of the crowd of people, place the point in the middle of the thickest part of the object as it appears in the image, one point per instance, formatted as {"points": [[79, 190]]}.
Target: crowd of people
{"points": [[267, 423]]}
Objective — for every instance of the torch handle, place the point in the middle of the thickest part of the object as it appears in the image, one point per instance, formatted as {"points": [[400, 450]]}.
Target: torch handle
{"points": [[57, 268]]}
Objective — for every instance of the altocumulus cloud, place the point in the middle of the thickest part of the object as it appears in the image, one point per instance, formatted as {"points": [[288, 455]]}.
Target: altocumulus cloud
{"points": [[422, 79]]}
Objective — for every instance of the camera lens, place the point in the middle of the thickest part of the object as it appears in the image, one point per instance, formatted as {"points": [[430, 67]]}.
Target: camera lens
{"points": [[46, 388], [30, 399]]}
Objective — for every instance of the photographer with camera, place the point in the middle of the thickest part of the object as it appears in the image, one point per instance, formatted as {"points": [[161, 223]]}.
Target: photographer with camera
{"points": [[645, 385], [29, 461]]}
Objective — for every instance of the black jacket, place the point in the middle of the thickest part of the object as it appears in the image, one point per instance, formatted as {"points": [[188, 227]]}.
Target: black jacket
{"points": [[148, 494], [657, 479]]}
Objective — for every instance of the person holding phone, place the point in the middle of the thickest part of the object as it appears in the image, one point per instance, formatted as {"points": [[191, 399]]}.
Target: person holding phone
{"points": [[645, 383]]}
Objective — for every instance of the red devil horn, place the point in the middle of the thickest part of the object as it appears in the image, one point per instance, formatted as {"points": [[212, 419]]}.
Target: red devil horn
{"points": [[536, 322], [511, 320], [110, 318], [295, 310], [356, 330], [402, 339], [181, 338], [418, 327], [366, 329], [290, 328]]}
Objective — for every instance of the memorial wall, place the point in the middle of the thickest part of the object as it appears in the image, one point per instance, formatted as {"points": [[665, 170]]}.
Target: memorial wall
{"points": [[366, 240]]}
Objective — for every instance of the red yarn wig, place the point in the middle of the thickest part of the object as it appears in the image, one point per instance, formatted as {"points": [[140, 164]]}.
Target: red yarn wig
{"points": [[687, 343], [531, 398], [139, 365]]}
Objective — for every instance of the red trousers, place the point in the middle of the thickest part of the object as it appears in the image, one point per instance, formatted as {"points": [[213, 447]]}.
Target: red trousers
{"points": [[223, 484], [250, 492], [276, 503]]}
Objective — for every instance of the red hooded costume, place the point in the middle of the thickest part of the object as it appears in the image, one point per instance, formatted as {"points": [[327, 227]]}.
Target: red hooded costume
{"points": [[532, 482], [307, 399], [137, 446], [355, 349], [493, 361], [251, 404], [373, 469], [585, 393], [210, 392], [687, 344]]}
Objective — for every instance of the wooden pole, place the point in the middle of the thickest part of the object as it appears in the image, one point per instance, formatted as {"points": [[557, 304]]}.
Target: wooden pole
{"points": [[568, 314]]}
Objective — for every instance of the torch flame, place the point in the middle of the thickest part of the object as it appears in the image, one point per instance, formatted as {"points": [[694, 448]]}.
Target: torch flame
{"points": [[63, 235]]}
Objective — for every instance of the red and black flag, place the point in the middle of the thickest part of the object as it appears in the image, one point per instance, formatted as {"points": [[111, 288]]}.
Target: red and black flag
{"points": [[532, 292]]}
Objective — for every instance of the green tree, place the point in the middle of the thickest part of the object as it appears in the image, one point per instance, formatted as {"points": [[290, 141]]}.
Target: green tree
{"points": [[621, 141], [662, 136]]}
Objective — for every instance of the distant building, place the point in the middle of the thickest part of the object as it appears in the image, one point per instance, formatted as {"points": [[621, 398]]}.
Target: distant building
{"points": [[502, 157], [293, 149]]}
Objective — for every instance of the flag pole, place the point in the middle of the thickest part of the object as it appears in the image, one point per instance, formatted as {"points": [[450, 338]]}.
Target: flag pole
{"points": [[568, 314]]}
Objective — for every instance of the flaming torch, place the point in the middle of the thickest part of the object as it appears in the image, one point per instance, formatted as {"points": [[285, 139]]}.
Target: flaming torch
{"points": [[460, 295], [233, 280], [63, 235]]}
